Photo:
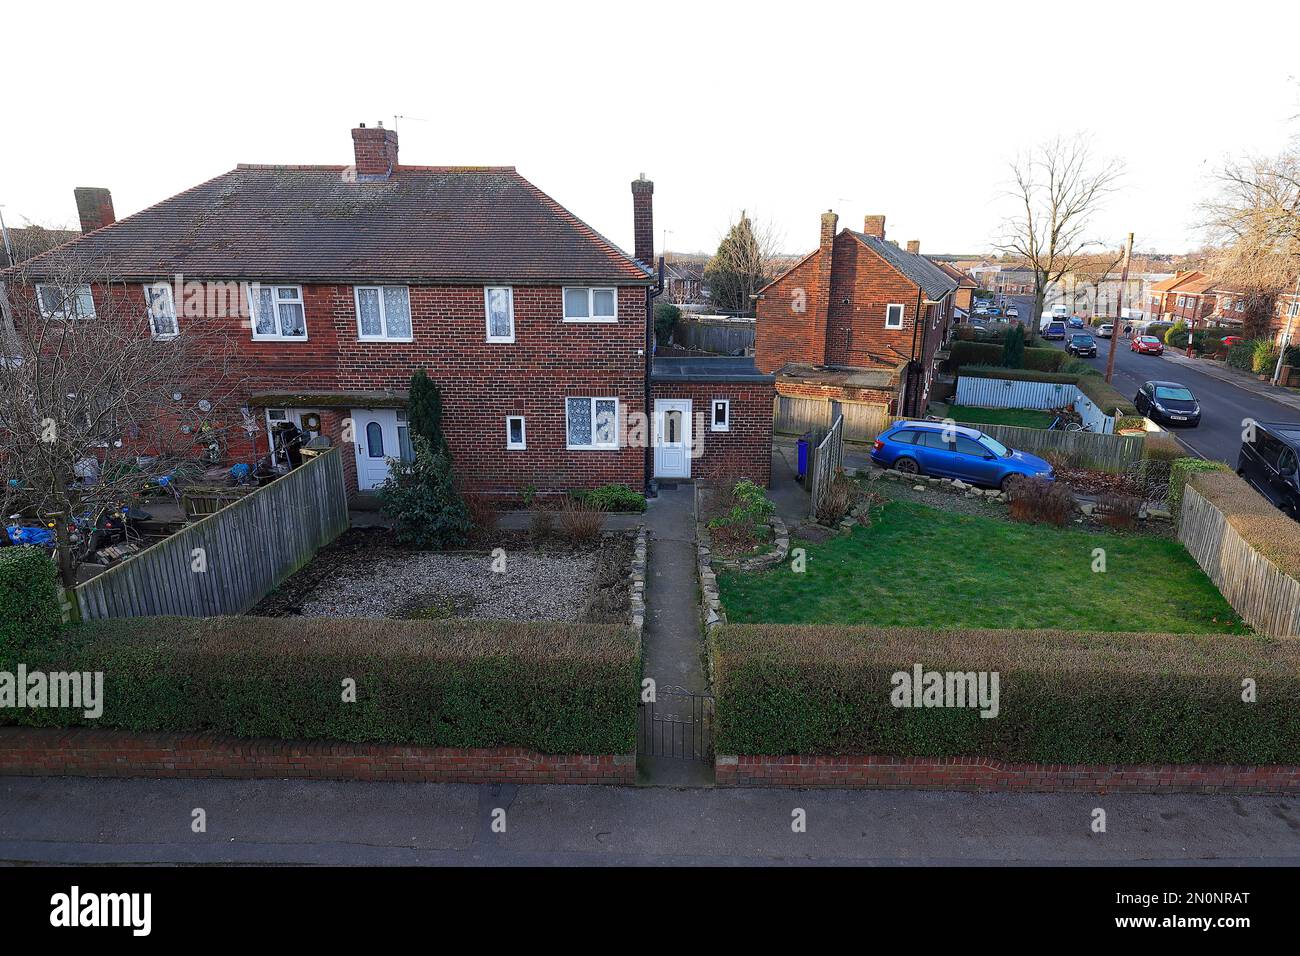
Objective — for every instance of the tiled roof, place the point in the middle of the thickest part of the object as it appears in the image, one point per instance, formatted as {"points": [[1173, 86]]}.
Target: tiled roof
{"points": [[431, 224], [961, 278], [915, 267], [1183, 282]]}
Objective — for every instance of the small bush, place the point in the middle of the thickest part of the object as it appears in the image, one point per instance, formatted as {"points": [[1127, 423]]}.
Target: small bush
{"points": [[1078, 366], [1038, 501], [1263, 358], [1013, 348], [421, 499], [29, 599], [613, 498], [542, 524], [837, 500], [579, 521], [483, 513], [743, 524], [1176, 335], [1120, 512], [552, 687]]}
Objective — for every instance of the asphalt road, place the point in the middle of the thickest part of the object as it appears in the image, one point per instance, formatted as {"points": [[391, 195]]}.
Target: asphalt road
{"points": [[108, 821], [1224, 406]]}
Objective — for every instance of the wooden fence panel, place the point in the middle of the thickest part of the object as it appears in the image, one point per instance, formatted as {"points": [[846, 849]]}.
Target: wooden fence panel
{"points": [[1109, 452], [1266, 599], [723, 338], [863, 421], [249, 547], [823, 462]]}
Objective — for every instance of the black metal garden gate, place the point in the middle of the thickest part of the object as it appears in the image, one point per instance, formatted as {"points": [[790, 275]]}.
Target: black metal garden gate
{"points": [[677, 723]]}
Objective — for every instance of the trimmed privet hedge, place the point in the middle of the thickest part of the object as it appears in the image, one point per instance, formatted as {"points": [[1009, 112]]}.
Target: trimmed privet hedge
{"points": [[29, 598], [555, 688], [1181, 470], [1063, 697], [985, 353], [1268, 530]]}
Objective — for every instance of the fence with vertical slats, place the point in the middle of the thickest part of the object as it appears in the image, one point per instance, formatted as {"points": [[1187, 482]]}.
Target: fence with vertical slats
{"points": [[863, 421], [1266, 599], [1108, 452], [824, 461], [245, 550]]}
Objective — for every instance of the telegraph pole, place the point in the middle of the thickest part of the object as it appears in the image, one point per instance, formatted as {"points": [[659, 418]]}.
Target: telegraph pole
{"points": [[1119, 309]]}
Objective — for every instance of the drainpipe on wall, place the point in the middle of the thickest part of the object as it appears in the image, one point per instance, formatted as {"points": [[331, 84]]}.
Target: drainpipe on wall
{"points": [[651, 294], [912, 362]]}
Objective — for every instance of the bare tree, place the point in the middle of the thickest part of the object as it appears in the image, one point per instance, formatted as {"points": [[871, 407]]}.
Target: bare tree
{"points": [[1092, 272], [100, 393], [1255, 220], [742, 265], [1058, 187]]}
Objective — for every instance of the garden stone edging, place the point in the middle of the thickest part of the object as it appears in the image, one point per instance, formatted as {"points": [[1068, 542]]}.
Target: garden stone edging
{"points": [[636, 581], [710, 602]]}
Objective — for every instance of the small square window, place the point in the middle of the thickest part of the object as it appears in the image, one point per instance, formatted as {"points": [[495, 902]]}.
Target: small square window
{"points": [[516, 433], [721, 415], [893, 316]]}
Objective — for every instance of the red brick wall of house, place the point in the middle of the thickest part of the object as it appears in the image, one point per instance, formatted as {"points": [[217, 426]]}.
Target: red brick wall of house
{"points": [[745, 449], [482, 382], [863, 285], [786, 319], [27, 751], [982, 774]]}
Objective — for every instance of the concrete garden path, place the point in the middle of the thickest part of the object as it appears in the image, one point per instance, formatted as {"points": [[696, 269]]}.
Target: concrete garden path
{"points": [[673, 641]]}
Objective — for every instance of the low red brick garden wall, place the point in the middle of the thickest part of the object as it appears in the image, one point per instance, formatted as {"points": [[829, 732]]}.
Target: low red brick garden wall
{"points": [[38, 752], [976, 773]]}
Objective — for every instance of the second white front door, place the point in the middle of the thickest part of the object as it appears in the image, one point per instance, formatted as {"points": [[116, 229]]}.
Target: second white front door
{"points": [[672, 438], [379, 434]]}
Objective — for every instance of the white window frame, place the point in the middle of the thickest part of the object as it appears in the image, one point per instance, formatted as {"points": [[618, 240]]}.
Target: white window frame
{"points": [[383, 314], [713, 415], [171, 302], [593, 399], [591, 304], [487, 313], [65, 295], [522, 444], [902, 312], [253, 289]]}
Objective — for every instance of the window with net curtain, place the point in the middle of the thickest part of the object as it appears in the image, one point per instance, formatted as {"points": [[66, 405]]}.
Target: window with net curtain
{"points": [[592, 422], [500, 313], [384, 312], [279, 312]]}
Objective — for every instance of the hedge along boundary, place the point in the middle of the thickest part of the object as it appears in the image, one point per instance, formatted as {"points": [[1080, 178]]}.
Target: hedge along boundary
{"points": [[1104, 396], [550, 688], [990, 354], [1064, 698], [1247, 547], [29, 598]]}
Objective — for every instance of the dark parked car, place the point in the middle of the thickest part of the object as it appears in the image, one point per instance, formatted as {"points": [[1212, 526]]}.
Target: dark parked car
{"points": [[1269, 463], [948, 451], [1168, 403], [1075, 322], [1055, 330], [1081, 343]]}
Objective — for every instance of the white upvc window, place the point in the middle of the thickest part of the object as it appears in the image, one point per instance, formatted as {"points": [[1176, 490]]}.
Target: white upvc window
{"points": [[1241, 305], [161, 308], [591, 423], [383, 313], [59, 302], [278, 312], [583, 304], [516, 433], [499, 310], [893, 316], [721, 419]]}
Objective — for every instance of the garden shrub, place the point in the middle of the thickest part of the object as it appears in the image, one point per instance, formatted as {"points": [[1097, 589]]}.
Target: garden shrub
{"points": [[1064, 697], [1176, 335], [542, 524], [552, 687], [29, 599], [1242, 356], [1157, 330], [1120, 511], [483, 513], [837, 500], [613, 498], [1013, 349], [1039, 501], [420, 497], [1263, 358], [580, 521], [667, 316], [743, 523]]}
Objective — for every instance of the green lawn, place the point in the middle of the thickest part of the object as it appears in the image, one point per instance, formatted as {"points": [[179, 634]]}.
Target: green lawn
{"points": [[918, 566], [1024, 417]]}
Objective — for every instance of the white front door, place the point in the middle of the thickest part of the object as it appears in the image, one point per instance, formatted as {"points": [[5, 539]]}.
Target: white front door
{"points": [[672, 438], [378, 436]]}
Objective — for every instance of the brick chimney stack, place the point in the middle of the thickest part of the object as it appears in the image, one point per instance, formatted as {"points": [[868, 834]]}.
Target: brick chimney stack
{"points": [[94, 207], [643, 221], [914, 246], [375, 150], [874, 226], [829, 223]]}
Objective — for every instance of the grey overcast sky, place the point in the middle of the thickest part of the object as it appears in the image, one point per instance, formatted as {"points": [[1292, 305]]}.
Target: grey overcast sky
{"points": [[783, 109]]}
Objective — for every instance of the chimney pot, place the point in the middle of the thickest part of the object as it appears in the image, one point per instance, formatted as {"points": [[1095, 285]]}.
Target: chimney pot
{"points": [[874, 226], [914, 246], [374, 150], [643, 220], [94, 207]]}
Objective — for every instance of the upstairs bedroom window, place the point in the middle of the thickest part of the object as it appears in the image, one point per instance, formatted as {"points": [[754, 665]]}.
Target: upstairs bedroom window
{"points": [[65, 302], [278, 312], [162, 310], [499, 305], [383, 313], [590, 305]]}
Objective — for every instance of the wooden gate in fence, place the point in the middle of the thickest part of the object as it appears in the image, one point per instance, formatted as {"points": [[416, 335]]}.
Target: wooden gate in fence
{"points": [[1266, 599], [824, 461], [863, 421], [228, 561]]}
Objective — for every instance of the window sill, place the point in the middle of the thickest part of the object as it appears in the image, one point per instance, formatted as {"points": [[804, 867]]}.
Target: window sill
{"points": [[279, 338], [500, 340], [612, 321], [591, 447], [383, 338]]}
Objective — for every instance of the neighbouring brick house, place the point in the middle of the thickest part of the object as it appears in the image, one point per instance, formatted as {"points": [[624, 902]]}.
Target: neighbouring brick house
{"points": [[857, 319], [536, 328], [1187, 297], [964, 298]]}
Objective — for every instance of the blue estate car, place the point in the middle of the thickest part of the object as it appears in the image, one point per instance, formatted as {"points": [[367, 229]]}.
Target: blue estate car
{"points": [[947, 451]]}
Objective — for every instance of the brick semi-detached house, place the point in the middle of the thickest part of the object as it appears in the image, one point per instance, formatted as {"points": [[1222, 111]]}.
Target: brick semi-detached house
{"points": [[536, 328], [1187, 297], [857, 319]]}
